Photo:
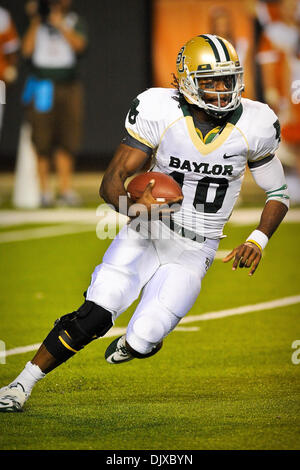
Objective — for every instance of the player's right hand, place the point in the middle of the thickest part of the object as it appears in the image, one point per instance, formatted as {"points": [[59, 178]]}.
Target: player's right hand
{"points": [[148, 205]]}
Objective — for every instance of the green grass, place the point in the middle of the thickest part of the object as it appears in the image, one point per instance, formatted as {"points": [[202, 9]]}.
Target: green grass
{"points": [[229, 385]]}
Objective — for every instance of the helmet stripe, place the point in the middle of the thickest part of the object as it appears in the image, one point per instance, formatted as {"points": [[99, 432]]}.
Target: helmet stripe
{"points": [[219, 47], [213, 46], [224, 48]]}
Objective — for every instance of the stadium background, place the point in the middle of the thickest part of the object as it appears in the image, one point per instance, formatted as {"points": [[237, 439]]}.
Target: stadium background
{"points": [[132, 46], [115, 67], [225, 382]]}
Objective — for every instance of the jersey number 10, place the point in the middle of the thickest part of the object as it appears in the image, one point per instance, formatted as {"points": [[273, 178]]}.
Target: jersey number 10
{"points": [[201, 194]]}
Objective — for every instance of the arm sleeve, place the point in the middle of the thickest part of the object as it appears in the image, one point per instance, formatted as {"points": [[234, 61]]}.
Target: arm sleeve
{"points": [[132, 142], [270, 177]]}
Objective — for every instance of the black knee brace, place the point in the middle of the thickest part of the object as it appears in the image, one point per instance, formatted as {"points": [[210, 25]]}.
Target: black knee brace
{"points": [[75, 330]]}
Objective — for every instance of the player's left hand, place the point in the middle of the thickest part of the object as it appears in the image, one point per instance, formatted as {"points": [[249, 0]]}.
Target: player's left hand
{"points": [[247, 255]]}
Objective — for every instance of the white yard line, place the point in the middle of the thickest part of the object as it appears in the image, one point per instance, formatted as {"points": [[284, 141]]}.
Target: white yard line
{"points": [[77, 216], [93, 216], [57, 231], [189, 319], [295, 299], [252, 216], [222, 253], [113, 332], [43, 232], [85, 220]]}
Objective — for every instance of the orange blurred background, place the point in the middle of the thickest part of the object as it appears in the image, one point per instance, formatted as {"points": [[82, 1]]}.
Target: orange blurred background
{"points": [[266, 35], [177, 21]]}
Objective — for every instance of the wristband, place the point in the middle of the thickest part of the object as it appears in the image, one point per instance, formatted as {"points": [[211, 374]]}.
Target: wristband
{"points": [[258, 238]]}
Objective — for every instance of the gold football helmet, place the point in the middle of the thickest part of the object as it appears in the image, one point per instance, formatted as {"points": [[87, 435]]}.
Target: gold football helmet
{"points": [[210, 59]]}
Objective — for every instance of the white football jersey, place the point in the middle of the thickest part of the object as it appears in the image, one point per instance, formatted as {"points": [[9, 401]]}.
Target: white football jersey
{"points": [[210, 174]]}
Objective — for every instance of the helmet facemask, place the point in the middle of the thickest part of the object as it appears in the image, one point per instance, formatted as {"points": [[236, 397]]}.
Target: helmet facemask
{"points": [[193, 90]]}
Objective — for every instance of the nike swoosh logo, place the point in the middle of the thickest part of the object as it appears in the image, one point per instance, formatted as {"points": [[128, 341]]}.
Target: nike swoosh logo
{"points": [[229, 156], [117, 362], [113, 360]]}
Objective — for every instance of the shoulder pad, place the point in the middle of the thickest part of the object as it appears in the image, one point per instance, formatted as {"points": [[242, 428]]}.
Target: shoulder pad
{"points": [[150, 113], [154, 103]]}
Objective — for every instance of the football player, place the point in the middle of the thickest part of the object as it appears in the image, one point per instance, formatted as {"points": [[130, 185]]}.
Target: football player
{"points": [[203, 134]]}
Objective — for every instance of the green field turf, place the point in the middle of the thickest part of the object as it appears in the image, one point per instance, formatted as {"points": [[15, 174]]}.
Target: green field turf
{"points": [[231, 384]]}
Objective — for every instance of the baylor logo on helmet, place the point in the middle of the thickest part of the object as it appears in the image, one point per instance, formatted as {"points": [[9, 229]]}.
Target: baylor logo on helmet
{"points": [[180, 60]]}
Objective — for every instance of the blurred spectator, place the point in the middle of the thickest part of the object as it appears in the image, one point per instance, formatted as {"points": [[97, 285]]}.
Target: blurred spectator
{"points": [[9, 45], [55, 38], [279, 58]]}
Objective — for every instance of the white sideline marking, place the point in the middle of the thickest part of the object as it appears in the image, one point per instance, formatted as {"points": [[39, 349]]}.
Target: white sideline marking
{"points": [[92, 216], [244, 309], [205, 316], [44, 232], [113, 332], [60, 230], [222, 253], [76, 216], [88, 220], [57, 231], [20, 350]]}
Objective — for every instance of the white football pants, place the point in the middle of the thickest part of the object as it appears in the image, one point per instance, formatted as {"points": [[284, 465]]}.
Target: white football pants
{"points": [[167, 271]]}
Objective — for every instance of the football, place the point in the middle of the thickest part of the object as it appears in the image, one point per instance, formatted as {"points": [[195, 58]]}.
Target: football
{"points": [[165, 188]]}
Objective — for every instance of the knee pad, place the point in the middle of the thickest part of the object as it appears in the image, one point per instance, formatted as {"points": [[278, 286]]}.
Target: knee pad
{"points": [[161, 307], [115, 288], [75, 330], [179, 290], [146, 332], [151, 329]]}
